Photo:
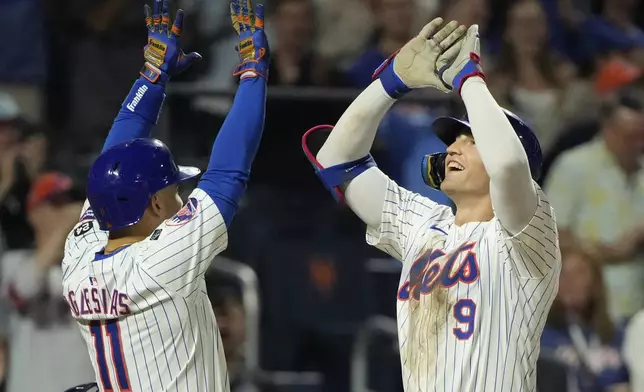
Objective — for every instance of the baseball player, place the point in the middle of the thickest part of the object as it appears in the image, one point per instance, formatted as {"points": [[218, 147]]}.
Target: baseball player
{"points": [[133, 272], [476, 285]]}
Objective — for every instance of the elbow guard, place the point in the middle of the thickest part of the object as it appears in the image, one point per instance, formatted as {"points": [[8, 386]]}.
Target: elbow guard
{"points": [[335, 176], [433, 169]]}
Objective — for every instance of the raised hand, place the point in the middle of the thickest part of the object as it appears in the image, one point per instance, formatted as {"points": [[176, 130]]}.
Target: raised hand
{"points": [[253, 45], [163, 54], [415, 65], [466, 64]]}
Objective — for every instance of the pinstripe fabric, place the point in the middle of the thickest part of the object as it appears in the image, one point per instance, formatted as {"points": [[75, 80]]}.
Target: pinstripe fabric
{"points": [[472, 300], [156, 290]]}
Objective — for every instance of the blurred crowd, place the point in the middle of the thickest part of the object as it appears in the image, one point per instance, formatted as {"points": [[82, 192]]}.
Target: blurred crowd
{"points": [[571, 68]]}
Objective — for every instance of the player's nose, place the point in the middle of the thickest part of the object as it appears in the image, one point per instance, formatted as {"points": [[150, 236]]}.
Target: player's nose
{"points": [[454, 148]]}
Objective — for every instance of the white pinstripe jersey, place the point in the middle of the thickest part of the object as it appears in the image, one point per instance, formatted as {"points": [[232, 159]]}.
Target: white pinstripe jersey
{"points": [[472, 300], [143, 310]]}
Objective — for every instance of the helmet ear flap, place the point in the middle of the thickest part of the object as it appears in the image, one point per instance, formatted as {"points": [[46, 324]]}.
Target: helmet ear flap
{"points": [[433, 169]]}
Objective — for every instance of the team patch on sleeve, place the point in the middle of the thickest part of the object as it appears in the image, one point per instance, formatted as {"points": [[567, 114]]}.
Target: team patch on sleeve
{"points": [[185, 214]]}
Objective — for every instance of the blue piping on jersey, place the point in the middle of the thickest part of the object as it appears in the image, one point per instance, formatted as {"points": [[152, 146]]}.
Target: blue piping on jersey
{"points": [[235, 148], [101, 255], [434, 227]]}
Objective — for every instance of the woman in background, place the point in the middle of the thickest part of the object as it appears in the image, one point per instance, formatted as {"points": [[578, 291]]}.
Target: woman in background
{"points": [[579, 333], [532, 80]]}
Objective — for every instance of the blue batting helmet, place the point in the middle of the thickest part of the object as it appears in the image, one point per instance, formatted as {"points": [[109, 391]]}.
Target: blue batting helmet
{"points": [[449, 128], [124, 178]]}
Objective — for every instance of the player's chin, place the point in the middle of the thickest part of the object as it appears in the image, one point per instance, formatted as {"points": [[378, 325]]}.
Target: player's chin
{"points": [[452, 182]]}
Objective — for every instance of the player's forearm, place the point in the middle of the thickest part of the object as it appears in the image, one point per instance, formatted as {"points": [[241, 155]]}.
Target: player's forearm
{"points": [[351, 139], [511, 188], [500, 148], [353, 135], [139, 113], [235, 148]]}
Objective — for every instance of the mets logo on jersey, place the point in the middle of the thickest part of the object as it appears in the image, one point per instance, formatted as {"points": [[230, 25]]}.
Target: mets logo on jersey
{"points": [[185, 214], [427, 273]]}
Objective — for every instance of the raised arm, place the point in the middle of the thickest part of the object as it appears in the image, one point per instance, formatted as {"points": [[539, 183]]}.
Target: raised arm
{"points": [[343, 163], [163, 59], [237, 142], [351, 140], [513, 193], [199, 231]]}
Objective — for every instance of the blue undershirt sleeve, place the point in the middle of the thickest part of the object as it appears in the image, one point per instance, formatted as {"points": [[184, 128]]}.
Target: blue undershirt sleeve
{"points": [[235, 148], [139, 113]]}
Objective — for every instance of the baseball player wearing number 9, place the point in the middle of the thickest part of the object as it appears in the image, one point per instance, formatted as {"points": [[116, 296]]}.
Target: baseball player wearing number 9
{"points": [[477, 284], [134, 266]]}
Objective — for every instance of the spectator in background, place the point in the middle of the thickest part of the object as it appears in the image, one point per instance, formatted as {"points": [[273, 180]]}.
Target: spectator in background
{"points": [[34, 151], [531, 80], [23, 64], [341, 39], [394, 24], [294, 61], [579, 332], [615, 31], [467, 12], [597, 190], [231, 319], [46, 352], [614, 74], [617, 75], [22, 155], [102, 57], [214, 39]]}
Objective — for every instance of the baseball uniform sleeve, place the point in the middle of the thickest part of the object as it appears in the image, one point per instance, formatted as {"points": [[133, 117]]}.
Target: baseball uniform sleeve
{"points": [[84, 236], [534, 251], [403, 214], [181, 249]]}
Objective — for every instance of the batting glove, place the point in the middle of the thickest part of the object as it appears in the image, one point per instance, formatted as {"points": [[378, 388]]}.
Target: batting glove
{"points": [[467, 62], [253, 45], [416, 63], [163, 54]]}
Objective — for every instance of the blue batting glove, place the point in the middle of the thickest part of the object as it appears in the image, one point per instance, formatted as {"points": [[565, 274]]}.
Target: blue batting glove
{"points": [[163, 54], [391, 82], [253, 45]]}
